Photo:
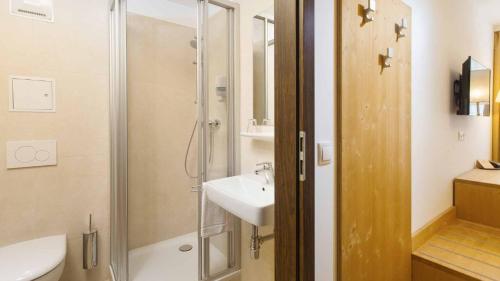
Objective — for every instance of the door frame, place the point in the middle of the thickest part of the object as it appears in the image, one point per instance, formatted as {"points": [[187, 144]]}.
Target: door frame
{"points": [[294, 114]]}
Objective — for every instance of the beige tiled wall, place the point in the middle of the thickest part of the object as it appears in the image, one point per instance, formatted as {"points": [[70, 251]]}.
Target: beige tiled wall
{"points": [[36, 202], [252, 151], [161, 114]]}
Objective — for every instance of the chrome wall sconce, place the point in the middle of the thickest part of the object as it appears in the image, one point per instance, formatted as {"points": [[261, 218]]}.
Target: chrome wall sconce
{"points": [[388, 57], [370, 10], [402, 27]]}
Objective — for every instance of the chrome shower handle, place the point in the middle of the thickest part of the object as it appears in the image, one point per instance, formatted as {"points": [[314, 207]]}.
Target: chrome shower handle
{"points": [[196, 188]]}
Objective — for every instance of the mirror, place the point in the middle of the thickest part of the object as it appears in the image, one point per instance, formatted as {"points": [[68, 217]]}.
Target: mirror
{"points": [[479, 90], [263, 67], [472, 90]]}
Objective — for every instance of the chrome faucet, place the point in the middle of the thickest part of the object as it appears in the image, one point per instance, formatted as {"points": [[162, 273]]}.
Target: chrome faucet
{"points": [[267, 169]]}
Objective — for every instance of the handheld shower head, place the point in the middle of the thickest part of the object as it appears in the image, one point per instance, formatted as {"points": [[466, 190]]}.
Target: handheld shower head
{"points": [[193, 43]]}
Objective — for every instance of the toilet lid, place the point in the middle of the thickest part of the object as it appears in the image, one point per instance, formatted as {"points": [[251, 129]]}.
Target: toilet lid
{"points": [[29, 260]]}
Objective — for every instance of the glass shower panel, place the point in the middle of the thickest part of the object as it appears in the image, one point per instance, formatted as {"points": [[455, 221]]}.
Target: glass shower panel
{"points": [[217, 86], [162, 140], [218, 252], [172, 128]]}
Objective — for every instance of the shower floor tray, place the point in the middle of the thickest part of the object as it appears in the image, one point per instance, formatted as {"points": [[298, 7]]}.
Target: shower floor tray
{"points": [[164, 262]]}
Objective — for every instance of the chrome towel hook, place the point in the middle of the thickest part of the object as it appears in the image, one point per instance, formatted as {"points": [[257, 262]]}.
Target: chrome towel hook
{"points": [[370, 10], [402, 27], [388, 57]]}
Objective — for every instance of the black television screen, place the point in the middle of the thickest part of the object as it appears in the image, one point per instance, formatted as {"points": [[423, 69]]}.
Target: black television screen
{"points": [[472, 91]]}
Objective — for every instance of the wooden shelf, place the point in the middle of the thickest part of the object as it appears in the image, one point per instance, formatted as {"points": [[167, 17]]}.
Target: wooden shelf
{"points": [[459, 251]]}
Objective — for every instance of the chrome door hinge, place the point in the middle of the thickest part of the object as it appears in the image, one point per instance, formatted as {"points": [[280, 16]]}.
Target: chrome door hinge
{"points": [[302, 156]]}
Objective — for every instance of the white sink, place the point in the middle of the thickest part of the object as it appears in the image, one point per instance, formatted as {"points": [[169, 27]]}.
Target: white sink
{"points": [[247, 197]]}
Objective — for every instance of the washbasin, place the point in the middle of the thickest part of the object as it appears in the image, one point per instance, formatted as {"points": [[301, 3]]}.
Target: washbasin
{"points": [[248, 197]]}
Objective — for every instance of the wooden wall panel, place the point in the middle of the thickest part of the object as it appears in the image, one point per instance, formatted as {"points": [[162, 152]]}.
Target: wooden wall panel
{"points": [[374, 148]]}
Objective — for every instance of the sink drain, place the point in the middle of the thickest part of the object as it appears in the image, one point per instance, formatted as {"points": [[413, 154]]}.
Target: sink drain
{"points": [[186, 248]]}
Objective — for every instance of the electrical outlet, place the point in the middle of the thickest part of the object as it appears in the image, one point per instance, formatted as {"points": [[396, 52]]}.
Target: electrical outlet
{"points": [[461, 135]]}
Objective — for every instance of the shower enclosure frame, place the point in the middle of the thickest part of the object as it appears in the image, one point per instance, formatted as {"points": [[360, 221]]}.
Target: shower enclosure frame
{"points": [[234, 236], [118, 140], [118, 135]]}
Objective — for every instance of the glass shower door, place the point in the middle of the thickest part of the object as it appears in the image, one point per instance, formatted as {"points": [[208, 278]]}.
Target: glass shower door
{"points": [[149, 241], [219, 254]]}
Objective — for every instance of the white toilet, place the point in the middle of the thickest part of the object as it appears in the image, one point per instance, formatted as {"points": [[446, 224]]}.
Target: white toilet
{"points": [[40, 259]]}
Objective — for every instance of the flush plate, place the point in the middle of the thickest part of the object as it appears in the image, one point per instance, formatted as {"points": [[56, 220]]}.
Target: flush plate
{"points": [[23, 154]]}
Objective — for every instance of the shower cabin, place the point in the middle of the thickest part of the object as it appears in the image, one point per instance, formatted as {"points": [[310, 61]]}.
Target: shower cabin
{"points": [[173, 123]]}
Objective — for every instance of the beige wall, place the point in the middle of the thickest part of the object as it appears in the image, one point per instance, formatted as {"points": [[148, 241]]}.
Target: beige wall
{"points": [[36, 202], [252, 151], [161, 115]]}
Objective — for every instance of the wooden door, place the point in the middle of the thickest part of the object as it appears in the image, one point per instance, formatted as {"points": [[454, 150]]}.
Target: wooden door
{"points": [[374, 145], [294, 113]]}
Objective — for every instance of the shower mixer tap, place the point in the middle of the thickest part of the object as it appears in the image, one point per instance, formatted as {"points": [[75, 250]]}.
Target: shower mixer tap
{"points": [[214, 124]]}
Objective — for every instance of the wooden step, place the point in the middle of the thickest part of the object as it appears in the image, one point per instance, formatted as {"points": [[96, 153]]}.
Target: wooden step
{"points": [[477, 197], [460, 250]]}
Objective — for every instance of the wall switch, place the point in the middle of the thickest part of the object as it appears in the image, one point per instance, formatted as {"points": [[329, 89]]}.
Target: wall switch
{"points": [[325, 153], [461, 135], [22, 154]]}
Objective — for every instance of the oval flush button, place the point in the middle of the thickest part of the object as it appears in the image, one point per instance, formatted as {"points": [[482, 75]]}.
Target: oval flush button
{"points": [[42, 155], [25, 154], [34, 153]]}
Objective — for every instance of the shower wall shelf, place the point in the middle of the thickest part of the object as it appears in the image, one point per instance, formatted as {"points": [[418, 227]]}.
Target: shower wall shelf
{"points": [[262, 133]]}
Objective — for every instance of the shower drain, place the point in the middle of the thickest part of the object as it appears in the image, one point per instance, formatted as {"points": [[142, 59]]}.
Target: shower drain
{"points": [[186, 248]]}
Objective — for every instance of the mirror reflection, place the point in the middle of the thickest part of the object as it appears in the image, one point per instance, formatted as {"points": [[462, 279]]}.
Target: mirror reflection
{"points": [[479, 89], [263, 67]]}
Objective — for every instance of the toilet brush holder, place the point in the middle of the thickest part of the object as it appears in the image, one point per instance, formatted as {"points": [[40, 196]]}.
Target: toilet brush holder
{"points": [[90, 247]]}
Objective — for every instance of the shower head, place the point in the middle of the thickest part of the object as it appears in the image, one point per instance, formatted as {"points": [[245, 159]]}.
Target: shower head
{"points": [[193, 43]]}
